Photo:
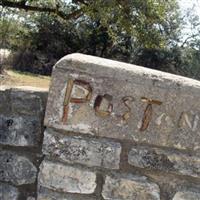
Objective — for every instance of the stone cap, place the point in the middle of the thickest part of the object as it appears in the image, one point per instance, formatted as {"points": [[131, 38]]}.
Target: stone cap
{"points": [[118, 70], [105, 98]]}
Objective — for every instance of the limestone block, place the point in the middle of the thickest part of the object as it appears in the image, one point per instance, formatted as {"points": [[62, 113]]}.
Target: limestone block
{"points": [[21, 115], [187, 195], [26, 102], [111, 99], [8, 192], [154, 158], [130, 188], [90, 152], [22, 100], [46, 194], [64, 178], [31, 198], [4, 101], [20, 130], [16, 169]]}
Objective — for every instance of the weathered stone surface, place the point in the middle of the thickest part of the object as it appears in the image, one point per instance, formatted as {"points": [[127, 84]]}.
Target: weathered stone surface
{"points": [[155, 158], [26, 102], [16, 169], [46, 194], [130, 188], [21, 115], [4, 100], [91, 152], [20, 130], [187, 195], [8, 192], [22, 100], [153, 107], [63, 178], [31, 198]]}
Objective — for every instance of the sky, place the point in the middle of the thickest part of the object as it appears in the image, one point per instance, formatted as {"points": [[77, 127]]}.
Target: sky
{"points": [[188, 3], [185, 4]]}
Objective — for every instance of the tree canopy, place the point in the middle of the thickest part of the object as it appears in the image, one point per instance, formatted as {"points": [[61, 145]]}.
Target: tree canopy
{"points": [[152, 22], [141, 32]]}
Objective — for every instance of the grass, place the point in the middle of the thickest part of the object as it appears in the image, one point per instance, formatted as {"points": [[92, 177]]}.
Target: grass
{"points": [[16, 78]]}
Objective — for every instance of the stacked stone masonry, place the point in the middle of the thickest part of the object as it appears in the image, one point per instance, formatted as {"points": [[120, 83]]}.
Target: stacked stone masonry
{"points": [[112, 131], [21, 132]]}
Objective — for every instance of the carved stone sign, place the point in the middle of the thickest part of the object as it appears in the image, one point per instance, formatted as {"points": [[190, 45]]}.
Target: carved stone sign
{"points": [[111, 99]]}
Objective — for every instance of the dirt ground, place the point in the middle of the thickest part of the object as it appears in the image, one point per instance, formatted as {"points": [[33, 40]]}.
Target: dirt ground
{"points": [[15, 78]]}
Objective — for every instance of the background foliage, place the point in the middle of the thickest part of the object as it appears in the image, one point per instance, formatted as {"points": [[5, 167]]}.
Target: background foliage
{"points": [[146, 32]]}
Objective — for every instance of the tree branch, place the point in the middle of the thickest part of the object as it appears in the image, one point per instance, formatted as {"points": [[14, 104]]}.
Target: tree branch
{"points": [[22, 5], [188, 38]]}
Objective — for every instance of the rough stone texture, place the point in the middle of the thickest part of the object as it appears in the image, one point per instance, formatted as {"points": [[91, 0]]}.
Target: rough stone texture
{"points": [[22, 100], [89, 152], [164, 110], [187, 195], [4, 100], [21, 116], [130, 188], [20, 130], [115, 103], [8, 192], [64, 178], [155, 158], [26, 103], [31, 198], [46, 194], [16, 169]]}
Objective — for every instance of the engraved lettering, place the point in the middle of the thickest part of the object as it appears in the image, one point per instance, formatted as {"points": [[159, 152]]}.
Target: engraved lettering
{"points": [[103, 106], [188, 120], [77, 91], [127, 101], [148, 112]]}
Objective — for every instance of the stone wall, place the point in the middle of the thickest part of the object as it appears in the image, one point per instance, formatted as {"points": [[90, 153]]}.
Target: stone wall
{"points": [[113, 131], [21, 135]]}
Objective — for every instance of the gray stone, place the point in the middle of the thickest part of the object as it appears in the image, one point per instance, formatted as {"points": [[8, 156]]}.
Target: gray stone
{"points": [[124, 101], [155, 158], [187, 195], [64, 178], [21, 115], [31, 198], [8, 192], [46, 194], [26, 102], [22, 100], [20, 130], [16, 169], [89, 152], [130, 188], [4, 100]]}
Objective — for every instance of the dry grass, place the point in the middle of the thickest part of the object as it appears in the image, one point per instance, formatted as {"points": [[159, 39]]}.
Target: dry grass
{"points": [[15, 78]]}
